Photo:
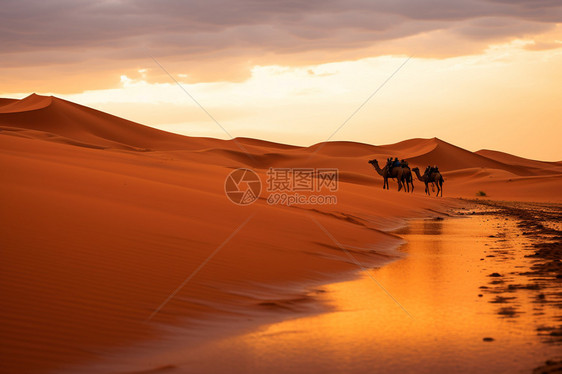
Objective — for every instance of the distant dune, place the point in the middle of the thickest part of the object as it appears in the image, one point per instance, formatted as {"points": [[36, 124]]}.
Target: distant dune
{"points": [[102, 218], [506, 158], [78, 123]]}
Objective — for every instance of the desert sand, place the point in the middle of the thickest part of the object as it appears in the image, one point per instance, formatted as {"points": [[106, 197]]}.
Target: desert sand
{"points": [[103, 218]]}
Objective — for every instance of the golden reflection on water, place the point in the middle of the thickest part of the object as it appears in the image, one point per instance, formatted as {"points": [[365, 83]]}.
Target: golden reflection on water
{"points": [[437, 283], [368, 332]]}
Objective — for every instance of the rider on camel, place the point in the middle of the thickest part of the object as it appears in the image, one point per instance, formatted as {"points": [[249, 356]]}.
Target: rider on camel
{"points": [[431, 169], [393, 164]]}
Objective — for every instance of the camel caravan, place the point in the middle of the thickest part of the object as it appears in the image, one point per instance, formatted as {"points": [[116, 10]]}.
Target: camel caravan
{"points": [[400, 170]]}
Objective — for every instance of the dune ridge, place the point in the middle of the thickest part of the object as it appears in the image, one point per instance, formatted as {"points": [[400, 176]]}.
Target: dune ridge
{"points": [[507, 158], [90, 126], [30, 103], [85, 125]]}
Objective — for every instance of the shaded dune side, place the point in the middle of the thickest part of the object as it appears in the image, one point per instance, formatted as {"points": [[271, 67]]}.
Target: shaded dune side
{"points": [[6, 101]]}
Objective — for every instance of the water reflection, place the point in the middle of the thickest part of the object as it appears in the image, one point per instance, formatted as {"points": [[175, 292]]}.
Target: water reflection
{"points": [[432, 227], [425, 227], [437, 282]]}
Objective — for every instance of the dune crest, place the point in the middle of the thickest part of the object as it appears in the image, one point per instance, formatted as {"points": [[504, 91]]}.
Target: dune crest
{"points": [[90, 126], [507, 158], [29, 103]]}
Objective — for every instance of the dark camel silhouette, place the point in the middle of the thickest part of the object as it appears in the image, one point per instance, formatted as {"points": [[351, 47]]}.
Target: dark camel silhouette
{"points": [[408, 179], [423, 178], [436, 178], [401, 175]]}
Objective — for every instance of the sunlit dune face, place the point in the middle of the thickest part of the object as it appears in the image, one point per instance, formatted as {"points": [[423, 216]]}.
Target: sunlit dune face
{"points": [[484, 74]]}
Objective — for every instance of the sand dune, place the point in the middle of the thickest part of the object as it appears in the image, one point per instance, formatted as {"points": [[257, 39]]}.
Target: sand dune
{"points": [[506, 158], [450, 157], [6, 101], [89, 126], [30, 103], [103, 218]]}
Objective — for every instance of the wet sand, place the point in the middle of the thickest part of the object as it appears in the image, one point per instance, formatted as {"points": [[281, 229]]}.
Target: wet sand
{"points": [[540, 284], [445, 321]]}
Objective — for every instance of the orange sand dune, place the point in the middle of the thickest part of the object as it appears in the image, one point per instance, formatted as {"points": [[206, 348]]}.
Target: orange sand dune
{"points": [[103, 218], [79, 123], [450, 157], [506, 158], [264, 143], [345, 149], [5, 101], [30, 103]]}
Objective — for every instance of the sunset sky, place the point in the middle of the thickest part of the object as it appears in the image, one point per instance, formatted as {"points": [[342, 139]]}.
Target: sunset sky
{"points": [[481, 73]]}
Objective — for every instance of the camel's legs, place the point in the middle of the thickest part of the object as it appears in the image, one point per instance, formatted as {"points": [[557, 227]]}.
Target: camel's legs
{"points": [[399, 184]]}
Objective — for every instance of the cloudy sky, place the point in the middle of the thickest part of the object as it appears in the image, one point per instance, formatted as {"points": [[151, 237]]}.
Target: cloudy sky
{"points": [[477, 73]]}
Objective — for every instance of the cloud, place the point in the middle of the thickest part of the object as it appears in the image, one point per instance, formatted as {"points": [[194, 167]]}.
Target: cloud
{"points": [[222, 39], [542, 46]]}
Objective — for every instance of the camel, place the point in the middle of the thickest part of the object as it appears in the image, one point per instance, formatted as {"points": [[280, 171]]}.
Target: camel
{"points": [[423, 179], [402, 175], [409, 180], [436, 178]]}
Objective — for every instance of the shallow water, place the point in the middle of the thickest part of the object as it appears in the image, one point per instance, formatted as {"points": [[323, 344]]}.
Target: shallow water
{"points": [[434, 320]]}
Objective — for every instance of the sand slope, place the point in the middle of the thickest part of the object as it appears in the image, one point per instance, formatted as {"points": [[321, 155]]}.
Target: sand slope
{"points": [[103, 218], [506, 158], [89, 126]]}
